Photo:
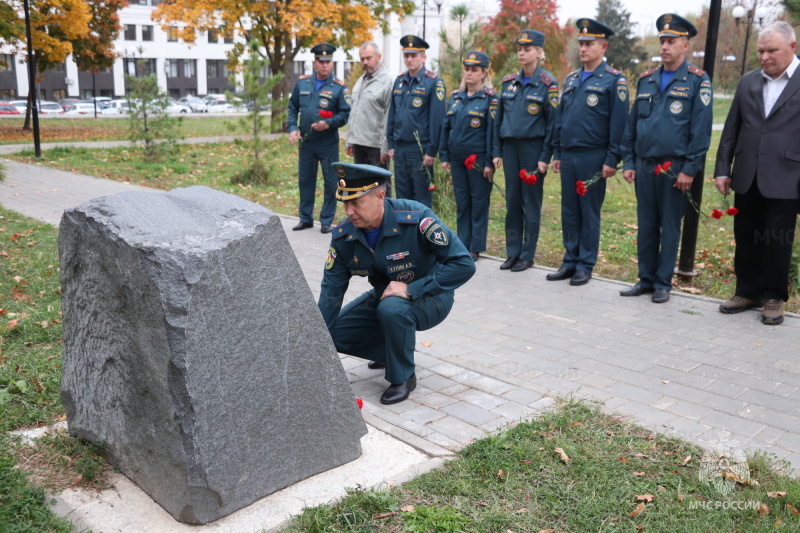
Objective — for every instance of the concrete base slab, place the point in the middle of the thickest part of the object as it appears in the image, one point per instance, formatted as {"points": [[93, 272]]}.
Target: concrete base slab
{"points": [[126, 508]]}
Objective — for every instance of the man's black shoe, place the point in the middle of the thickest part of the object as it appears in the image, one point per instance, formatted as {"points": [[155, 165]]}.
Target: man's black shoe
{"points": [[303, 225], [375, 365], [326, 228], [398, 393], [636, 290], [510, 262], [561, 273], [660, 296], [522, 264], [581, 277]]}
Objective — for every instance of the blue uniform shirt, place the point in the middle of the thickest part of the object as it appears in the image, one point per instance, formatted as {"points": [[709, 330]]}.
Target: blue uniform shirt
{"points": [[306, 102], [592, 114], [469, 126], [674, 123], [417, 105], [416, 248], [526, 111]]}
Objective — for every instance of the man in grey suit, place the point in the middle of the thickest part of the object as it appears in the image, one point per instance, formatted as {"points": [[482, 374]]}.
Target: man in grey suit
{"points": [[761, 141]]}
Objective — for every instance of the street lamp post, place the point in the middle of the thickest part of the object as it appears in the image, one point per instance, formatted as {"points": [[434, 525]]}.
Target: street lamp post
{"points": [[32, 96], [424, 12], [754, 16]]}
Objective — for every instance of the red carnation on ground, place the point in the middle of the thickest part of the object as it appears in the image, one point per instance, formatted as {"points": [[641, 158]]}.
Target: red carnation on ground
{"points": [[469, 162], [325, 114], [360, 403], [432, 187], [580, 188], [716, 213], [732, 211]]}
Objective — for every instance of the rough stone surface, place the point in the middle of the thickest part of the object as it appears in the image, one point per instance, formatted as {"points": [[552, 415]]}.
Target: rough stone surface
{"points": [[195, 353]]}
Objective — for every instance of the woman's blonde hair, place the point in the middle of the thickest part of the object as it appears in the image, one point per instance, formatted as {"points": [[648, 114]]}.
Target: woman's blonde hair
{"points": [[486, 83]]}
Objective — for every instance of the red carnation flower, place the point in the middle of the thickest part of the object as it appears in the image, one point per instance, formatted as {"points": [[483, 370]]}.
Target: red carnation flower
{"points": [[659, 169], [666, 165], [432, 187], [470, 161], [523, 174], [325, 114], [716, 213], [360, 403], [732, 211], [580, 188]]}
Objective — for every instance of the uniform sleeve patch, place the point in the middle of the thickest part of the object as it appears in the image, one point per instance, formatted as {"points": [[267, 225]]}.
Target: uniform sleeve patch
{"points": [[437, 235], [331, 258], [425, 224]]}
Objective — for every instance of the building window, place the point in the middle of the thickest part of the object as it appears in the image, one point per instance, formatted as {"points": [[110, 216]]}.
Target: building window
{"points": [[172, 34], [213, 37], [174, 93], [139, 66], [225, 72], [6, 62], [8, 94], [59, 94], [130, 32], [211, 68], [147, 33], [299, 67], [189, 68], [172, 68], [228, 39]]}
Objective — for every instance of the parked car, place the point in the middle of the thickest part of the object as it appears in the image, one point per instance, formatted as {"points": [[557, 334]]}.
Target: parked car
{"points": [[197, 105], [83, 108], [8, 109], [47, 108], [116, 107], [21, 105], [211, 98], [175, 107], [221, 106], [66, 103]]}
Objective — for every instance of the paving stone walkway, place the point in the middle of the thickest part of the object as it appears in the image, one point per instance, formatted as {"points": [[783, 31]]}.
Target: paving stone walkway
{"points": [[514, 341]]}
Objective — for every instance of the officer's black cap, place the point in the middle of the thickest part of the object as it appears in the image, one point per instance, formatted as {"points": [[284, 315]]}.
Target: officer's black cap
{"points": [[530, 37], [591, 30], [413, 45], [323, 52], [357, 180], [672, 25], [475, 57]]}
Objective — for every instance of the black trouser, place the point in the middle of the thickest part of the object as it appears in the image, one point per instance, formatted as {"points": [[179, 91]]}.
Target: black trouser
{"points": [[764, 230], [368, 155]]}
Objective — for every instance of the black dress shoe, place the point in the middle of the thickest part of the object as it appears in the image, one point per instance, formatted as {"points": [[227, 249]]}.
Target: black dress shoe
{"points": [[474, 255], [561, 273], [660, 296], [521, 265], [303, 225], [375, 365], [398, 393], [326, 228], [636, 290], [510, 262], [581, 277]]}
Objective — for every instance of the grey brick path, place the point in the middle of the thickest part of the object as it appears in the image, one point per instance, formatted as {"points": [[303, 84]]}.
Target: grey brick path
{"points": [[514, 340]]}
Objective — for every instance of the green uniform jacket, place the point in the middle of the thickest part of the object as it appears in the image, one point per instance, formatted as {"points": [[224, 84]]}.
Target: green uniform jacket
{"points": [[415, 247]]}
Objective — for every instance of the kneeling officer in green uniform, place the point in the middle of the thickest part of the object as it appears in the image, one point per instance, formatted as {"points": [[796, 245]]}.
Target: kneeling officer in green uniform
{"points": [[414, 263]]}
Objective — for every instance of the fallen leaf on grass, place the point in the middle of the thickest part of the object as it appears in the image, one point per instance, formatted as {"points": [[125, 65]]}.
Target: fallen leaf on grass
{"points": [[640, 455], [763, 510], [624, 460], [520, 511], [640, 474], [777, 494], [482, 504], [662, 488], [383, 515], [408, 509], [426, 344], [77, 480], [687, 459], [20, 281], [13, 323], [645, 497], [526, 461], [691, 290], [792, 508], [500, 473], [547, 531], [639, 528], [639, 510], [562, 454]]}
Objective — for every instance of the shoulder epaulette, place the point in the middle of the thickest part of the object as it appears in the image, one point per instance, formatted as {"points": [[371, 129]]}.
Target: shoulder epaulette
{"points": [[431, 74], [407, 217], [574, 73], [337, 81], [510, 77], [304, 77], [696, 71], [342, 230], [612, 70], [546, 78], [402, 73], [490, 91], [647, 72], [453, 93]]}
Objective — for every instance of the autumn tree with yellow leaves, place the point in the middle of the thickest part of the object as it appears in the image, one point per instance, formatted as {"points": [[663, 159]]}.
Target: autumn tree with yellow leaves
{"points": [[282, 27]]}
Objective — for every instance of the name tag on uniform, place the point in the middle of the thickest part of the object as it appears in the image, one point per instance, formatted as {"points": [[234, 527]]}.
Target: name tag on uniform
{"points": [[305, 93], [475, 113], [359, 272], [419, 91], [535, 98], [391, 269], [595, 88]]}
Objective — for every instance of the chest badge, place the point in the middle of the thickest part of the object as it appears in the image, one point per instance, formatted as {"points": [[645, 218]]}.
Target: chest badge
{"points": [[533, 109], [397, 257], [323, 102], [475, 123], [675, 107], [417, 101], [592, 100]]}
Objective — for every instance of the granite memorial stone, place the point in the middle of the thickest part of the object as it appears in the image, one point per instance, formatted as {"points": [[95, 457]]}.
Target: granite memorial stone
{"points": [[194, 352]]}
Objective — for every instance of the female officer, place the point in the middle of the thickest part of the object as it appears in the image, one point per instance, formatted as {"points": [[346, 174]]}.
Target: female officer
{"points": [[466, 150], [523, 127]]}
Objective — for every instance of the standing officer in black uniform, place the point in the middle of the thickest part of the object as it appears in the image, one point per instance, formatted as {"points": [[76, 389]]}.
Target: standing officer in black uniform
{"points": [[318, 136], [414, 263], [670, 122], [467, 135], [523, 132], [590, 121], [415, 117]]}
